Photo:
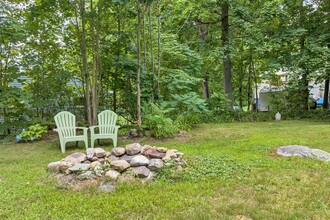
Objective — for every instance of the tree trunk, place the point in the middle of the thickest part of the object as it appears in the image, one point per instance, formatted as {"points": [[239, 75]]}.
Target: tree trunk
{"points": [[326, 87], [84, 61], [227, 66], [152, 55], [118, 58], [249, 98], [158, 42], [139, 118], [326, 94], [95, 67], [206, 91]]}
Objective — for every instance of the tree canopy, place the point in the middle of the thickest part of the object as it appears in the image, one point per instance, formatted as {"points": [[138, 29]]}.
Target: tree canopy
{"points": [[139, 57]]}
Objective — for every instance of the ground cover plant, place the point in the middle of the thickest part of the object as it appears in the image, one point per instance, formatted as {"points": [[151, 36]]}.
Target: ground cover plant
{"points": [[233, 173]]}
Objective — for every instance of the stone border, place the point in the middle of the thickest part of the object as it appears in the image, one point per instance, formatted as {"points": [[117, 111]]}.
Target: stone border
{"points": [[121, 164]]}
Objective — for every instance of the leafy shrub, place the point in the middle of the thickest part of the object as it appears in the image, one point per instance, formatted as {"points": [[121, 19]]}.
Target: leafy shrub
{"points": [[155, 120], [34, 132], [187, 121]]}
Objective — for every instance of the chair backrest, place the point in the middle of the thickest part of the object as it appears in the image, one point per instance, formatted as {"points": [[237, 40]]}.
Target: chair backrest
{"points": [[66, 123], [107, 120]]}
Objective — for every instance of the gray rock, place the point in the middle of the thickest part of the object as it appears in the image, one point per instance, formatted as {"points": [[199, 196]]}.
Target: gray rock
{"points": [[133, 149], [162, 149], [112, 175], [64, 166], [113, 158], [54, 166], [141, 171], [146, 147], [303, 151], [152, 153], [75, 158], [171, 153], [94, 159], [320, 154], [90, 152], [118, 151], [155, 164], [102, 160], [107, 187], [95, 164], [99, 152], [166, 158], [79, 167], [128, 158], [139, 161], [150, 177], [120, 165], [88, 175]]}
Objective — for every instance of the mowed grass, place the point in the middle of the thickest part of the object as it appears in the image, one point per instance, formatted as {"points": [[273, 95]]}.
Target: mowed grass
{"points": [[262, 186]]}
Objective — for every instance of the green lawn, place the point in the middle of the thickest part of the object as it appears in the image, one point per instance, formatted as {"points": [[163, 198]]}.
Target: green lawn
{"points": [[254, 182]]}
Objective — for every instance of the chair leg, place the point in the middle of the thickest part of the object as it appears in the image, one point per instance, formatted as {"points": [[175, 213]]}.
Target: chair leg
{"points": [[63, 146], [92, 142], [86, 144], [114, 142]]}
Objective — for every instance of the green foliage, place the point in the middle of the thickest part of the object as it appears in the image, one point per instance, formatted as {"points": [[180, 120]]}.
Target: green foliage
{"points": [[154, 119], [34, 132], [202, 167], [188, 121], [15, 111]]}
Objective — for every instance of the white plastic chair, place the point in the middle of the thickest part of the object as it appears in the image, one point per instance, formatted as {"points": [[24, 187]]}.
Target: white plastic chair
{"points": [[107, 128]]}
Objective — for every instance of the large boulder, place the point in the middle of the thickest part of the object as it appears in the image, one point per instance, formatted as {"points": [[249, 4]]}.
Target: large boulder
{"points": [[139, 161], [133, 149], [120, 165], [303, 151]]}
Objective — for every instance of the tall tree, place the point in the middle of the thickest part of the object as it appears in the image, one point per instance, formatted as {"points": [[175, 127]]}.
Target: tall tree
{"points": [[138, 83], [227, 65]]}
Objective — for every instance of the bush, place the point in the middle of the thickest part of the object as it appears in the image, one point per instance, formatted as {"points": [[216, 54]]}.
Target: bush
{"points": [[187, 121], [155, 120], [34, 132]]}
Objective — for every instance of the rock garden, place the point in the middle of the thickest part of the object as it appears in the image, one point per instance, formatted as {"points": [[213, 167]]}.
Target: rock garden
{"points": [[133, 162]]}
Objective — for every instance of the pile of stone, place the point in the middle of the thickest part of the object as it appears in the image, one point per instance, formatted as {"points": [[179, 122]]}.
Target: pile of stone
{"points": [[133, 160]]}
